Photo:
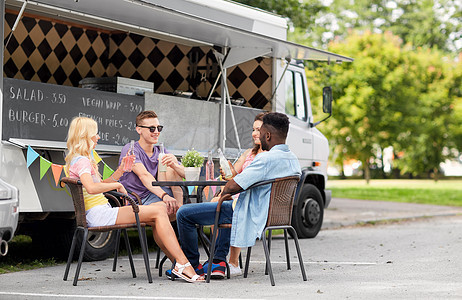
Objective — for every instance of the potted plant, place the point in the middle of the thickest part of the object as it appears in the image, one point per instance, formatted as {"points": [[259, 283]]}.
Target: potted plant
{"points": [[192, 162]]}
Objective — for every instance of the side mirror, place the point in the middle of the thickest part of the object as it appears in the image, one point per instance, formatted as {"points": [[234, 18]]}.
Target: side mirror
{"points": [[327, 100], [326, 104]]}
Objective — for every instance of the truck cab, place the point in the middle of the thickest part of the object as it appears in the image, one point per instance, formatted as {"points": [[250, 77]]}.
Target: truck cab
{"points": [[309, 145]]}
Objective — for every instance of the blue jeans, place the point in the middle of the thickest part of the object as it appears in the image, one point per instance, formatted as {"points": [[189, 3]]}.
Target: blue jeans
{"points": [[153, 198], [203, 214]]}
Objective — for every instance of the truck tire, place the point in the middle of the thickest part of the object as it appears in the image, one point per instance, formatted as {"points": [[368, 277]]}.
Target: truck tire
{"points": [[54, 238], [308, 214], [100, 245]]}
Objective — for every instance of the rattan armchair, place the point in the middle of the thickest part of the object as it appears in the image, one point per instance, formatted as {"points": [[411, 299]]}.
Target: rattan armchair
{"points": [[75, 186], [279, 217]]}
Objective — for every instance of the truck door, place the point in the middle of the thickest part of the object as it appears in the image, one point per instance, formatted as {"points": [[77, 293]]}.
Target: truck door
{"points": [[299, 139]]}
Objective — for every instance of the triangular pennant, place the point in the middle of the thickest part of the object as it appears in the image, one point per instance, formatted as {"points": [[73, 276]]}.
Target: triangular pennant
{"points": [[206, 192], [214, 188], [191, 189], [107, 171], [31, 156], [96, 157], [44, 166], [57, 170]]}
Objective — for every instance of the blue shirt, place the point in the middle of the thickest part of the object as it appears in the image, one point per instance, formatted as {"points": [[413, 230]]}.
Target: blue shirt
{"points": [[251, 211]]}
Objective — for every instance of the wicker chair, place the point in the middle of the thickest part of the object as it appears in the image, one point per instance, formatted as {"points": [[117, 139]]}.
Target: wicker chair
{"points": [[279, 217], [75, 187]]}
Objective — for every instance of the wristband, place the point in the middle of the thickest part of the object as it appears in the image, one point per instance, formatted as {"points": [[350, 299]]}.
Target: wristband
{"points": [[112, 178], [163, 195]]}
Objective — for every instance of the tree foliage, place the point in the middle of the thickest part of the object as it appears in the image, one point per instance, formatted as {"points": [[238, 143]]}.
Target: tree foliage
{"points": [[404, 88], [424, 23], [392, 95]]}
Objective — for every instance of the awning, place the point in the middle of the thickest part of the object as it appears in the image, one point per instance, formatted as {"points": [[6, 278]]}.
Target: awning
{"points": [[158, 19]]}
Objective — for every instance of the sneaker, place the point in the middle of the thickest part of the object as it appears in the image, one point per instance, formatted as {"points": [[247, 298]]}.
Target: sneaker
{"points": [[199, 271], [168, 273], [218, 270], [234, 271]]}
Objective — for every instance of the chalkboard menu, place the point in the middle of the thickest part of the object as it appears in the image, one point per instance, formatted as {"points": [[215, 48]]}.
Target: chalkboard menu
{"points": [[33, 110]]}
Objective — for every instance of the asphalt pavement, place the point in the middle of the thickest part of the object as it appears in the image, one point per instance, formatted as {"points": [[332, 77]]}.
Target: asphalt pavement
{"points": [[347, 212], [417, 256]]}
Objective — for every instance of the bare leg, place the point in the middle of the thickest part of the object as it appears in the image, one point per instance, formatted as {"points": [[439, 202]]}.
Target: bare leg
{"points": [[177, 191], [161, 245], [234, 255], [171, 175], [163, 230]]}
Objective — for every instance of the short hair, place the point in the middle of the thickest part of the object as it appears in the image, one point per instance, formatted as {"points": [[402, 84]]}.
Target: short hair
{"points": [[280, 122], [147, 114]]}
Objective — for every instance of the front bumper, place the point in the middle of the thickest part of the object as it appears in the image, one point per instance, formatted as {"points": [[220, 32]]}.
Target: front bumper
{"points": [[328, 197], [9, 210]]}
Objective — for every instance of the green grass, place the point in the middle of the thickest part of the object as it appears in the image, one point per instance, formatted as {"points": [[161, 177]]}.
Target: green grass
{"points": [[442, 192], [21, 256]]}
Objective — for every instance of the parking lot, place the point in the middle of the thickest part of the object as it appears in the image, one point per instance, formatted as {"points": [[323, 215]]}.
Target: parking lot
{"points": [[418, 257]]}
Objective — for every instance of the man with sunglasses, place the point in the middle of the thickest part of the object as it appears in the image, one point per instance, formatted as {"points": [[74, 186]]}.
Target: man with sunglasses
{"points": [[145, 168]]}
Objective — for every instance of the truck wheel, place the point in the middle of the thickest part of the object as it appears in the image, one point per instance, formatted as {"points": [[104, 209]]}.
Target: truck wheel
{"points": [[307, 216], [100, 245], [59, 233]]}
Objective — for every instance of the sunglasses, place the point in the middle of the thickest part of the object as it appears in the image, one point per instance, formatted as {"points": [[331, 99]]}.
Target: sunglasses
{"points": [[152, 128]]}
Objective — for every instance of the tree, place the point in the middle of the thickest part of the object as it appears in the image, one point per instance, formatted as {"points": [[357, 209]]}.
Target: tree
{"points": [[433, 78], [402, 90], [424, 23], [391, 95]]}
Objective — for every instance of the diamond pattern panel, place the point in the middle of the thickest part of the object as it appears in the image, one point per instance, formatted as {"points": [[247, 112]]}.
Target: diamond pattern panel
{"points": [[252, 81], [53, 52]]}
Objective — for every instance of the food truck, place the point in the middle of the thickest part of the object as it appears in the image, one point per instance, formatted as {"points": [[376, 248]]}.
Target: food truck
{"points": [[205, 67]]}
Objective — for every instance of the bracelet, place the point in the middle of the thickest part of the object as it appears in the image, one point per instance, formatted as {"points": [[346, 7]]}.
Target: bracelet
{"points": [[163, 195], [112, 178]]}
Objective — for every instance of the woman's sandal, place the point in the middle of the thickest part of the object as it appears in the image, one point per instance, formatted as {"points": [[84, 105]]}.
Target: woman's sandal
{"points": [[179, 273]]}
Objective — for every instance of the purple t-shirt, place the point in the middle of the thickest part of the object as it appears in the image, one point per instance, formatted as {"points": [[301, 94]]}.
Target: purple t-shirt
{"points": [[130, 180]]}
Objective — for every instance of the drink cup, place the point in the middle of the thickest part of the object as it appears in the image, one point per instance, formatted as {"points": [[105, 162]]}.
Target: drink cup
{"points": [[128, 162], [162, 167]]}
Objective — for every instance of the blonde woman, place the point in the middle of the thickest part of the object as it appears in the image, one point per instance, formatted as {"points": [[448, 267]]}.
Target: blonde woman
{"points": [[82, 139]]}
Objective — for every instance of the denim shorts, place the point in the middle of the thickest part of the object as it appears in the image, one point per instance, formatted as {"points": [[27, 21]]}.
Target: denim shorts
{"points": [[153, 198]]}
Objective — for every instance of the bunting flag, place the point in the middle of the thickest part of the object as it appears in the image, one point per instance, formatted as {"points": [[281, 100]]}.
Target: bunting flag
{"points": [[214, 189], [96, 157], [191, 189], [57, 170], [206, 192], [31, 156], [107, 171], [44, 166]]}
